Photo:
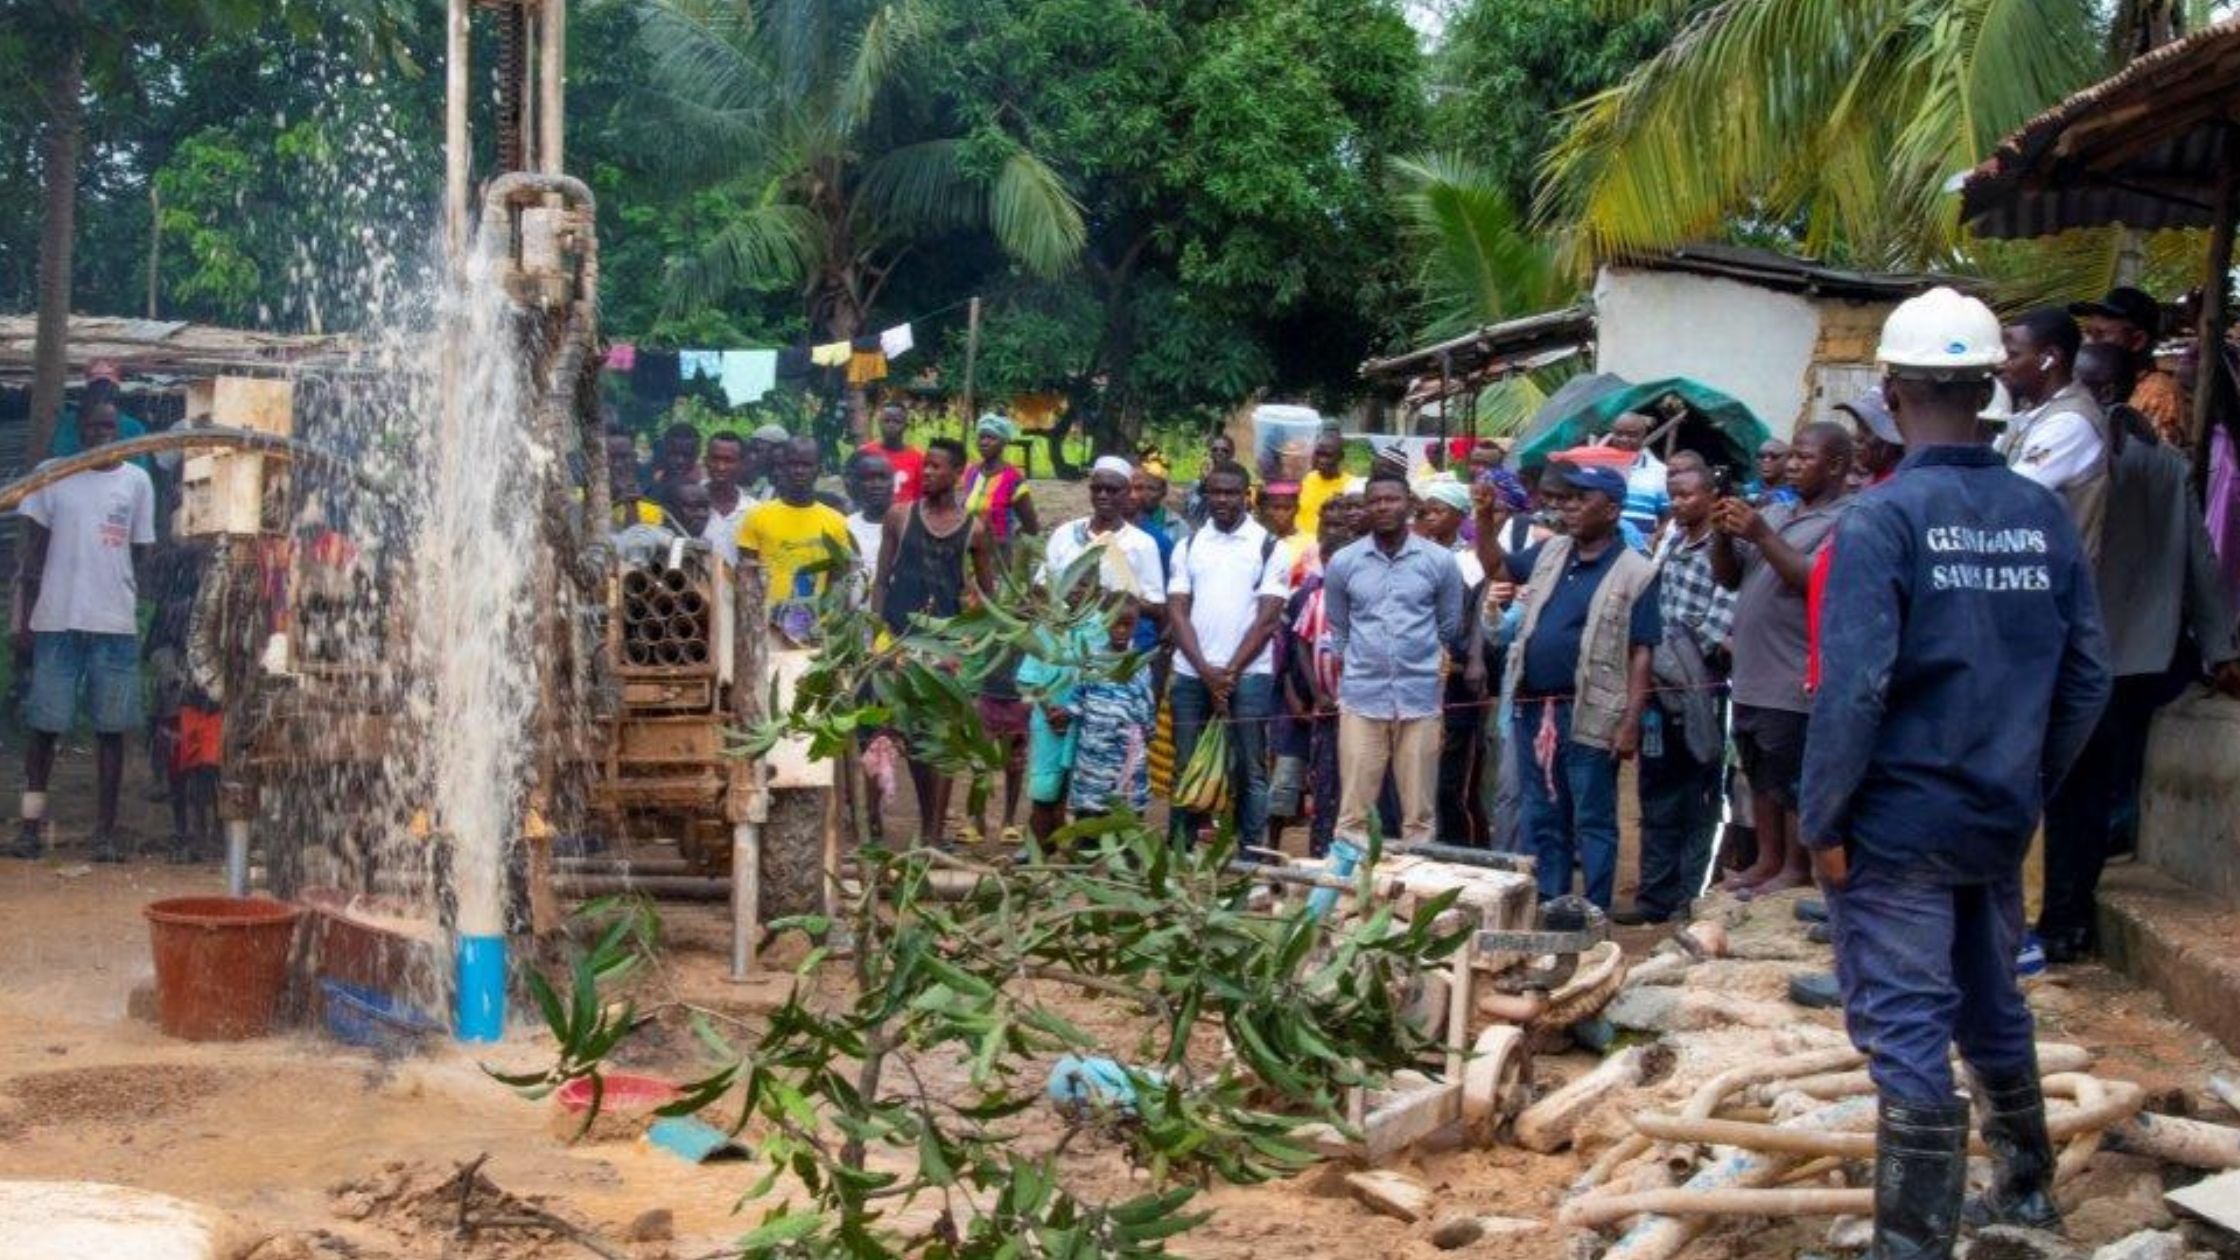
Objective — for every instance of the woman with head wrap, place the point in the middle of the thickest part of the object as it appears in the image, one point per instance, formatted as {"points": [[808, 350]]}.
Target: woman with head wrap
{"points": [[996, 491]]}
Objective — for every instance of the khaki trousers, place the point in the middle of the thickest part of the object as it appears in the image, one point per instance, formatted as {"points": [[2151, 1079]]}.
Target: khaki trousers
{"points": [[1366, 747]]}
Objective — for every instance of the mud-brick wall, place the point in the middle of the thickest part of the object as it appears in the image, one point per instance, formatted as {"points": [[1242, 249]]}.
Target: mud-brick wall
{"points": [[1849, 331], [2189, 827]]}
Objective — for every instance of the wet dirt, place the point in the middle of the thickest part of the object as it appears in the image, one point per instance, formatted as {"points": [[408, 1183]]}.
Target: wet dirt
{"points": [[333, 1153]]}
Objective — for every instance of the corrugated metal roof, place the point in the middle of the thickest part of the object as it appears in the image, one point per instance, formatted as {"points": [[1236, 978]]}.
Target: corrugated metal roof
{"points": [[161, 347], [1508, 344], [2142, 148], [1783, 272]]}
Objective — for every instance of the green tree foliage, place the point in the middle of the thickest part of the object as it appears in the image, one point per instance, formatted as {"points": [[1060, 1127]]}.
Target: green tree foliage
{"points": [[1479, 262], [1838, 122], [810, 116], [1236, 162], [1504, 73]]}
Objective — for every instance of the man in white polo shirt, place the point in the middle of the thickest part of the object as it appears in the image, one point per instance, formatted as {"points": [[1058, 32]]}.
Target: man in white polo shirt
{"points": [[1225, 592]]}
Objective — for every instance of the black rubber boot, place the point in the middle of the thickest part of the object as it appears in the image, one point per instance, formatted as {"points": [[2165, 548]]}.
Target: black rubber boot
{"points": [[30, 842], [1920, 1173], [2014, 1127]]}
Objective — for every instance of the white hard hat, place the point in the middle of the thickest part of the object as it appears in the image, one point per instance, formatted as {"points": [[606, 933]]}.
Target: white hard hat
{"points": [[1943, 330]]}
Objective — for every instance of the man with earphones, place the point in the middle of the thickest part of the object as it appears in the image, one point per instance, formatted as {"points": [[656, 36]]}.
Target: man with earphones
{"points": [[2059, 435]]}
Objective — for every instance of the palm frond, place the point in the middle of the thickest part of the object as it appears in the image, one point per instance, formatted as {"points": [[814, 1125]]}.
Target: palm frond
{"points": [[922, 186], [709, 80], [887, 38], [1478, 263], [1841, 118], [768, 245], [1704, 131], [1034, 216], [1507, 405], [1980, 69]]}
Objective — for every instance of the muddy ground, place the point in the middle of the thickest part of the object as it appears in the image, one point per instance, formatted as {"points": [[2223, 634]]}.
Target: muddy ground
{"points": [[328, 1152]]}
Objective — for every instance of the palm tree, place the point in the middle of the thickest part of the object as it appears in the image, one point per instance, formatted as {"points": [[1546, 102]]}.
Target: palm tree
{"points": [[1479, 263], [809, 110], [1835, 123]]}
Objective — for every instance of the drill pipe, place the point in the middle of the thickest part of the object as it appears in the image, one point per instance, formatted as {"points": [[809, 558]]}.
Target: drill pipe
{"points": [[692, 604], [668, 652], [675, 580]]}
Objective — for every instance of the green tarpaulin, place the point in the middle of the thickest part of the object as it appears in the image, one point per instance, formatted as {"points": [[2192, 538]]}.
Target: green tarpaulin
{"points": [[1723, 430]]}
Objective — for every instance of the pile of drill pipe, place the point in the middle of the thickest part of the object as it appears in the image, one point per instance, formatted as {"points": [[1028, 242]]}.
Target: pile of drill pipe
{"points": [[1680, 1170], [664, 620]]}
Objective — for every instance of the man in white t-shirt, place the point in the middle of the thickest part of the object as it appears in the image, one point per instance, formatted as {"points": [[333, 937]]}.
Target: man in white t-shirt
{"points": [[728, 502], [1230, 578], [87, 530], [871, 490]]}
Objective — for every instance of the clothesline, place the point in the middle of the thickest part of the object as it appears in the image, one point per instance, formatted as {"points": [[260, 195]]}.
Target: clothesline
{"points": [[746, 376]]}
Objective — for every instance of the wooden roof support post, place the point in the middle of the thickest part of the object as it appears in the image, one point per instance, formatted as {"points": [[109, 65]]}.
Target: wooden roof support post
{"points": [[2215, 313], [1446, 405]]}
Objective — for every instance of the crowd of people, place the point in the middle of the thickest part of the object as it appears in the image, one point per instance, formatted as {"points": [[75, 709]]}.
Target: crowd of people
{"points": [[1468, 656]]}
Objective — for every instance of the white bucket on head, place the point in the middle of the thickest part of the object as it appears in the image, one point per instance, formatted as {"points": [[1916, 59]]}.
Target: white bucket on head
{"points": [[1283, 441]]}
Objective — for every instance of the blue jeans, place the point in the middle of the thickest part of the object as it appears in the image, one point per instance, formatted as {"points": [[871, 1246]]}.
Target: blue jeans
{"points": [[1252, 706], [1926, 966], [1679, 811], [1578, 814], [104, 669]]}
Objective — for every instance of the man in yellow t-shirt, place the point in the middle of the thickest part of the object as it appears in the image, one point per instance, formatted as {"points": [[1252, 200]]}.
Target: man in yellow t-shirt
{"points": [[790, 533], [1323, 482]]}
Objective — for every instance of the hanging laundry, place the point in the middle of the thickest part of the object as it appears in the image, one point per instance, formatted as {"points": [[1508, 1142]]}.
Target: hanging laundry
{"points": [[655, 380], [622, 357], [866, 366], [748, 375], [708, 363], [832, 355], [793, 363], [897, 341]]}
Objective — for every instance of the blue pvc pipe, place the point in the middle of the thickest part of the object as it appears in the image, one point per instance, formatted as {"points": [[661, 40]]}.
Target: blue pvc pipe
{"points": [[480, 1010], [1344, 857]]}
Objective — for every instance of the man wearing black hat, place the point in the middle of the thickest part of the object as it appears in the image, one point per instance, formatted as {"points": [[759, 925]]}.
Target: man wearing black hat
{"points": [[1580, 671], [2131, 319]]}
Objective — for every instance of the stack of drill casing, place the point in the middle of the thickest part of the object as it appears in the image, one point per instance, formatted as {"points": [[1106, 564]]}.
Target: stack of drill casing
{"points": [[665, 620]]}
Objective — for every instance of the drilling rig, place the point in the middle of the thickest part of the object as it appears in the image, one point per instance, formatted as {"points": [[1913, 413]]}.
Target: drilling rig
{"points": [[644, 661]]}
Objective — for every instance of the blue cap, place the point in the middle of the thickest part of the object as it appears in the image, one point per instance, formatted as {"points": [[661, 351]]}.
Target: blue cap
{"points": [[1608, 482]]}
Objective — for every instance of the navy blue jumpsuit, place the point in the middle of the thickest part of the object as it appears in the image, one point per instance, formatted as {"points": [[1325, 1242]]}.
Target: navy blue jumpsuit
{"points": [[1962, 666]]}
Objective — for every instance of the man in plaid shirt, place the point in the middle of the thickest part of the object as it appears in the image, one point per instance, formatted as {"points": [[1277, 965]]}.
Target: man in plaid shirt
{"points": [[1683, 740]]}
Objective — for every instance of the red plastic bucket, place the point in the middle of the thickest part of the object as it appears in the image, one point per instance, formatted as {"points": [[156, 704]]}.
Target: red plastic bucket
{"points": [[221, 964]]}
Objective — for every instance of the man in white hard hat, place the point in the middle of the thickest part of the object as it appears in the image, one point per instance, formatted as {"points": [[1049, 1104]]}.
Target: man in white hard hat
{"points": [[1961, 669]]}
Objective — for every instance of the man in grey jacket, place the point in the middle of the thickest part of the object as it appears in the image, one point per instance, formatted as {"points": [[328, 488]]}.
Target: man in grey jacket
{"points": [[2168, 624]]}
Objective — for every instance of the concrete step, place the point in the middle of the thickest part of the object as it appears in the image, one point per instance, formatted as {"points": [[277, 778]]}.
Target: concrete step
{"points": [[2178, 940]]}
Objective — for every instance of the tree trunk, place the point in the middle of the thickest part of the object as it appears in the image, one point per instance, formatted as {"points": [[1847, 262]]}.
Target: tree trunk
{"points": [[65, 109]]}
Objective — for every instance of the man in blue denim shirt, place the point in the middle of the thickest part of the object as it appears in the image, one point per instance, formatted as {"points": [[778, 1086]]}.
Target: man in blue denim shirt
{"points": [[1393, 601], [1962, 667]]}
